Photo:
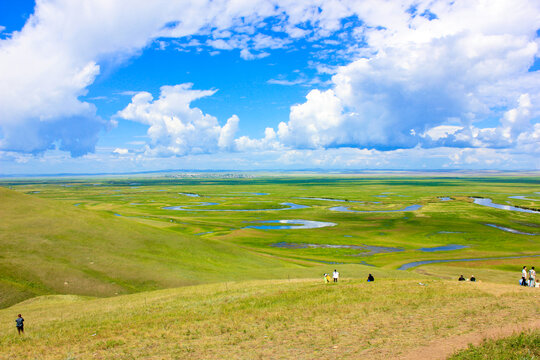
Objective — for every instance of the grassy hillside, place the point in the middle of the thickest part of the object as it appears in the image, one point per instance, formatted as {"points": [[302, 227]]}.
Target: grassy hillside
{"points": [[50, 247], [104, 237], [302, 319]]}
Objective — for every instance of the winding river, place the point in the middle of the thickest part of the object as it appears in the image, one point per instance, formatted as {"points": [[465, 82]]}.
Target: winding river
{"points": [[490, 203], [425, 262], [346, 209], [290, 206]]}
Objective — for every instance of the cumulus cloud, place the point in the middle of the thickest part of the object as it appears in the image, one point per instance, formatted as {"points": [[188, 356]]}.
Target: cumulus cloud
{"points": [[433, 75], [175, 128], [49, 64]]}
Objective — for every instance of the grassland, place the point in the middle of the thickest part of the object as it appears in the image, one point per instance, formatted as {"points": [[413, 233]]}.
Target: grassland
{"points": [[271, 319], [113, 238]]}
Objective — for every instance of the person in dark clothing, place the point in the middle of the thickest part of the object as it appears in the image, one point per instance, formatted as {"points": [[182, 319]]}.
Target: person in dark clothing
{"points": [[461, 278], [19, 323], [370, 278], [473, 278]]}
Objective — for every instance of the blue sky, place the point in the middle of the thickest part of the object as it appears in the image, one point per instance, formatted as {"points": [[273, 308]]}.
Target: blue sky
{"points": [[138, 85]]}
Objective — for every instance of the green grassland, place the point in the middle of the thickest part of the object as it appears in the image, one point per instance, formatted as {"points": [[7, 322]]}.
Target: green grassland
{"points": [[112, 237]]}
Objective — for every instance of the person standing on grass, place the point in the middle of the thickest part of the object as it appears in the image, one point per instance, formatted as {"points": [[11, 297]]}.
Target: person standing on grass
{"points": [[336, 275], [524, 272], [532, 277], [19, 323]]}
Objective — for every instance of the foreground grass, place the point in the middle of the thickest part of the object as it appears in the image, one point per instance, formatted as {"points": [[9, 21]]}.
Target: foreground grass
{"points": [[524, 346], [302, 319]]}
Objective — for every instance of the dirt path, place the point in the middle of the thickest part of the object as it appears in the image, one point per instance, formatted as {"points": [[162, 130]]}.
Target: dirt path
{"points": [[442, 349]]}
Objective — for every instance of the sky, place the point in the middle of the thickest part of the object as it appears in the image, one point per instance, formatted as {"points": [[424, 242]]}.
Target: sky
{"points": [[103, 86]]}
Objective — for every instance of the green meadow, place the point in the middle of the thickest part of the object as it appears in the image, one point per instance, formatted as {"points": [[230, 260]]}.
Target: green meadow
{"points": [[88, 260]]}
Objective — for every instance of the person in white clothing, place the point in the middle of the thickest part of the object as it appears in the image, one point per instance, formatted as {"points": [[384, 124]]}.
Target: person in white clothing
{"points": [[524, 272], [532, 277], [336, 275]]}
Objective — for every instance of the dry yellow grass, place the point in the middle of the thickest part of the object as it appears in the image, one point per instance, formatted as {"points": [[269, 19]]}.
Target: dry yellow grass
{"points": [[301, 319]]}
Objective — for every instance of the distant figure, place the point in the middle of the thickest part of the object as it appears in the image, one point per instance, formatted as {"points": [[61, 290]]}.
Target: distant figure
{"points": [[473, 278], [524, 272], [326, 278], [336, 275], [461, 278], [532, 277], [19, 323], [370, 278]]}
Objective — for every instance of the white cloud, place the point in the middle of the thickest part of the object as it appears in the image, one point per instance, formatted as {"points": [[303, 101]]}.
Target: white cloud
{"points": [[441, 131], [269, 142], [227, 133], [175, 128], [121, 151], [418, 76]]}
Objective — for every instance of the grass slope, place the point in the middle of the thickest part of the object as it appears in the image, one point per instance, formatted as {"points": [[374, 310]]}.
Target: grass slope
{"points": [[301, 319], [49, 247]]}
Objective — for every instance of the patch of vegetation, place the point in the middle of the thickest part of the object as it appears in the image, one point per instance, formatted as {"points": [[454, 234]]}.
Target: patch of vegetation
{"points": [[523, 346]]}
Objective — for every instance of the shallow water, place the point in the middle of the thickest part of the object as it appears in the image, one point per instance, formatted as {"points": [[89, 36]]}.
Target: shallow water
{"points": [[521, 197], [190, 194], [513, 231], [295, 224], [445, 198], [346, 209], [291, 206], [449, 232], [444, 248], [328, 199], [490, 203], [372, 249], [425, 262]]}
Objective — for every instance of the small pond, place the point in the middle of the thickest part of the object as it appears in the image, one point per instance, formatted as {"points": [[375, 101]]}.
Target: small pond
{"points": [[190, 194], [294, 224]]}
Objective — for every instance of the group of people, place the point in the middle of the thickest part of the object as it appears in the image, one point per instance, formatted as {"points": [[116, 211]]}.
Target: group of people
{"points": [[462, 278], [335, 277], [531, 281]]}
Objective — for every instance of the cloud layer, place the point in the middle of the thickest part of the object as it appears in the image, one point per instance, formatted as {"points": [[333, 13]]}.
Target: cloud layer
{"points": [[416, 74]]}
